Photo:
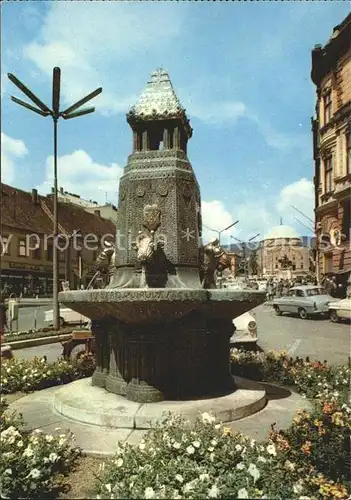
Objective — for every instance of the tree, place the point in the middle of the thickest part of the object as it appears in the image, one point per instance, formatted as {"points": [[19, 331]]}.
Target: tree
{"points": [[253, 263]]}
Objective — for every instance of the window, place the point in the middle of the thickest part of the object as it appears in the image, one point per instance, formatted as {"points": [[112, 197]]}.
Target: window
{"points": [[49, 252], [22, 248], [37, 253], [299, 293], [327, 107], [293, 267], [5, 245], [276, 266], [328, 174], [301, 266]]}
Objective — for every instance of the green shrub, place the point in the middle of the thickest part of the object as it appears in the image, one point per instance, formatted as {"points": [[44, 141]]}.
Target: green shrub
{"points": [[33, 465], [23, 375]]}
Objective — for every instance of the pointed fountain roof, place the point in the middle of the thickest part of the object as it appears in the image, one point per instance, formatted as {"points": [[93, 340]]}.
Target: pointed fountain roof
{"points": [[158, 101]]}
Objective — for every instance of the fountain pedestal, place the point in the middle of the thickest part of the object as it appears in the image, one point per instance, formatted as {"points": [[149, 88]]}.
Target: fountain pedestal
{"points": [[174, 347]]}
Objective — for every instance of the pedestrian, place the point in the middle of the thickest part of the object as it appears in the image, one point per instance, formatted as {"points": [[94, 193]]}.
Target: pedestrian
{"points": [[333, 287]]}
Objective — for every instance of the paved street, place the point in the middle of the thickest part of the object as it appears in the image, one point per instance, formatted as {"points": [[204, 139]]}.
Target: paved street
{"points": [[318, 338]]}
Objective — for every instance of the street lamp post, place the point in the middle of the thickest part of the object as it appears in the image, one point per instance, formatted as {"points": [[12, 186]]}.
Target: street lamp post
{"points": [[43, 110], [221, 231]]}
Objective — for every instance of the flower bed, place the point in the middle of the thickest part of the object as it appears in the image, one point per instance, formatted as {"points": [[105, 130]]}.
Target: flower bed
{"points": [[25, 376], [33, 465], [208, 461], [46, 332], [311, 460]]}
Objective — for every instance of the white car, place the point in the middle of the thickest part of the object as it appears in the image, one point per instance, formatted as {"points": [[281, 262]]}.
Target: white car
{"points": [[67, 316], [340, 309], [245, 329]]}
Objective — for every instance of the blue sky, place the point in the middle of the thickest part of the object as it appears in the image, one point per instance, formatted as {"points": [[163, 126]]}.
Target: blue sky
{"points": [[241, 70]]}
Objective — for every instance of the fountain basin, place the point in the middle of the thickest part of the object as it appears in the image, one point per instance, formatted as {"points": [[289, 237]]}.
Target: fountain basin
{"points": [[156, 344], [154, 305]]}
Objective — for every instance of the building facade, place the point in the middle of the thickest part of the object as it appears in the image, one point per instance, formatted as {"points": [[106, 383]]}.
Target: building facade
{"points": [[331, 73], [26, 249], [282, 254], [107, 211]]}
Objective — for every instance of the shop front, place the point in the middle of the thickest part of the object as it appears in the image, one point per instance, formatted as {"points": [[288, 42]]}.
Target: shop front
{"points": [[28, 281]]}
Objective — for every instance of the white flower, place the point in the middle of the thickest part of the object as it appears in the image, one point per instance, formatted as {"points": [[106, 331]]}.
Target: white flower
{"points": [[297, 488], [8, 471], [20, 444], [204, 477], [189, 486], [57, 429], [61, 441], [212, 456], [142, 446], [252, 443], [49, 438], [242, 493], [240, 466], [213, 491], [149, 492], [119, 462], [190, 450], [108, 487], [207, 418], [214, 442], [261, 459], [4, 381], [196, 444], [53, 457], [238, 447], [254, 472], [210, 448], [179, 478], [289, 465], [176, 445], [34, 473], [28, 452], [271, 449], [217, 426]]}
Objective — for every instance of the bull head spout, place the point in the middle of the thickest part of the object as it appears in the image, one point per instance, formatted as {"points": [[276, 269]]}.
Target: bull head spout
{"points": [[145, 245], [214, 259]]}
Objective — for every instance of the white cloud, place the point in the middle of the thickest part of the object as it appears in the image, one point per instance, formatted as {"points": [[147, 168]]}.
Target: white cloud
{"points": [[214, 112], [260, 213], [10, 150], [78, 173], [215, 216], [300, 194], [90, 40]]}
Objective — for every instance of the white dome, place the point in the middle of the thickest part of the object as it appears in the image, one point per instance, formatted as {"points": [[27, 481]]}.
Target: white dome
{"points": [[280, 232]]}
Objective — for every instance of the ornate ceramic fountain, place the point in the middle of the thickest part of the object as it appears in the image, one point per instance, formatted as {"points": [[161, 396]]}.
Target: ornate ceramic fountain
{"points": [[162, 329]]}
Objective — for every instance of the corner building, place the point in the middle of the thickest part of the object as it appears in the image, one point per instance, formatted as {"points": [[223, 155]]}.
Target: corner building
{"points": [[331, 73]]}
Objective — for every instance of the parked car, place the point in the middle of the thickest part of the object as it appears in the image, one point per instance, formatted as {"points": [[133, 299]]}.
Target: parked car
{"points": [[245, 330], [67, 316], [340, 309], [304, 300]]}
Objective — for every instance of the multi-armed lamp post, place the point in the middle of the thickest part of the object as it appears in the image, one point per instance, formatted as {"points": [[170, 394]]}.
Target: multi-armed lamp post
{"points": [[43, 110], [221, 231]]}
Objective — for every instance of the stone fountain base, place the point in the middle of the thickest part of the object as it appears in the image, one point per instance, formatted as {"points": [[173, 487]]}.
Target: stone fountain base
{"points": [[82, 402], [164, 344]]}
